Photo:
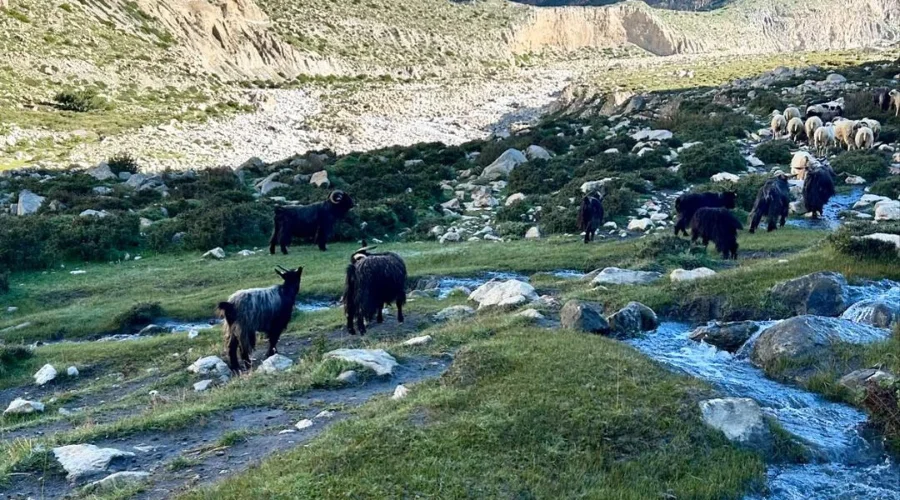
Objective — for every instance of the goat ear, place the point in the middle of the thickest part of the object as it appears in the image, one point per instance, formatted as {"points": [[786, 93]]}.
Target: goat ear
{"points": [[279, 273], [300, 270]]}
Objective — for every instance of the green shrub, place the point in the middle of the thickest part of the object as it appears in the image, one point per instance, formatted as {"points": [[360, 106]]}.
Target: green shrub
{"points": [[512, 229], [889, 134], [123, 162], [213, 226], [710, 122], [517, 212], [663, 178], [889, 186], [746, 189], [654, 248], [80, 101], [775, 152], [765, 102], [848, 241], [539, 177], [869, 165], [30, 242], [556, 221], [4, 280], [11, 356], [704, 161], [160, 236], [140, 314], [96, 238], [619, 203]]}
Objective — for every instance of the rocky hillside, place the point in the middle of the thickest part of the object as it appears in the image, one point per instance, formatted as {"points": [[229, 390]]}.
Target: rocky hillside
{"points": [[664, 4]]}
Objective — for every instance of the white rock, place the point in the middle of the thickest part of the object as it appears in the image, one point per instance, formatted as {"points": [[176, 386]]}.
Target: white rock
{"points": [[652, 135], [210, 365], [325, 414], [417, 341], [348, 377], [21, 406], [72, 371], [894, 239], [246, 253], [536, 152], [450, 236], [854, 180], [400, 392], [94, 213], [887, 210], [679, 275], [532, 314], [506, 163], [81, 460], [659, 217], [725, 177], [215, 253], [101, 172], [616, 276], [118, 480], [611, 225], [453, 313], [29, 203], [376, 360], [514, 198], [590, 186], [202, 385], [304, 424], [740, 419], [320, 179], [835, 78], [755, 162], [276, 363], [640, 224], [505, 293], [46, 374], [533, 233]]}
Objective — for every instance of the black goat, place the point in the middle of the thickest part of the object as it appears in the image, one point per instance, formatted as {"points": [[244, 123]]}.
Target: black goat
{"points": [[773, 201], [266, 310], [687, 205], [881, 98], [590, 215], [316, 220], [818, 188], [373, 280], [719, 226]]}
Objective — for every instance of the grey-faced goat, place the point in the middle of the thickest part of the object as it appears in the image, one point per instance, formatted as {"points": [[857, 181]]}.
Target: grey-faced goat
{"points": [[373, 280], [254, 310]]}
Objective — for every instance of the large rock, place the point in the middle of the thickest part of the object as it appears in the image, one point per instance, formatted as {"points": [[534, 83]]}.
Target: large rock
{"points": [[858, 380], [21, 406], [276, 363], [483, 198], [887, 210], [879, 313], [537, 153], [583, 317], [503, 165], [632, 320], [320, 179], [454, 313], [616, 276], [725, 177], [726, 336], [29, 203], [376, 360], [680, 275], [806, 337], [269, 184], [45, 375], [216, 253], [821, 294], [740, 419], [102, 172], [652, 135], [640, 224], [533, 233], [210, 365], [503, 294], [81, 460]]}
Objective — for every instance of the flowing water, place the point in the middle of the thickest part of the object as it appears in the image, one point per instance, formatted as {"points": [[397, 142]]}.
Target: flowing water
{"points": [[831, 214], [851, 466], [446, 284]]}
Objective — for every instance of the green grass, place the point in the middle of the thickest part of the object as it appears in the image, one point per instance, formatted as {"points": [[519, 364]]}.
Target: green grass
{"points": [[523, 413]]}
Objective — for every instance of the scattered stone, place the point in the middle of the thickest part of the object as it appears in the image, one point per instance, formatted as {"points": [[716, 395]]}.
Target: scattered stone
{"points": [[858, 380], [893, 239], [640, 224], [535, 152], [211, 365], [46, 374], [854, 180], [101, 172], [616, 276], [583, 317], [419, 341], [325, 414], [21, 406], [726, 336], [725, 177], [503, 294], [740, 419], [215, 253], [276, 363], [304, 424], [246, 253], [400, 392], [118, 480], [454, 313], [81, 460], [348, 377], [532, 314], [202, 385], [72, 371], [502, 166], [153, 330], [29, 203], [652, 135], [876, 313], [835, 78], [514, 198], [376, 360], [680, 275], [822, 294], [320, 179], [533, 233], [887, 211]]}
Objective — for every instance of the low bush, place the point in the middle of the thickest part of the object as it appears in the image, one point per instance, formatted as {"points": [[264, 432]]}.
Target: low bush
{"points": [[539, 177], [889, 186], [619, 203], [702, 162], [882, 402], [512, 229], [556, 221], [213, 226], [869, 165], [517, 212], [123, 162], [140, 314], [99, 239], [848, 241], [80, 101], [775, 152], [746, 189], [4, 280], [663, 178], [709, 122], [765, 102], [11, 356], [655, 248]]}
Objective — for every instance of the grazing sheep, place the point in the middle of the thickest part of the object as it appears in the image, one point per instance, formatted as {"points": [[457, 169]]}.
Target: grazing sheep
{"points": [[795, 128], [316, 220], [687, 205], [844, 131], [812, 124], [895, 102], [373, 280], [865, 138], [773, 201], [881, 98], [719, 226], [875, 125], [258, 310], [824, 137], [818, 188], [779, 125], [801, 162], [590, 215], [791, 112]]}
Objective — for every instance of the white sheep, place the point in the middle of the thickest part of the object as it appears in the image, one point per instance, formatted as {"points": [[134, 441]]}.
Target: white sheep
{"points": [[826, 111], [844, 131], [875, 125], [812, 124], [779, 125], [823, 138], [800, 163], [895, 101], [795, 128], [791, 112], [865, 138]]}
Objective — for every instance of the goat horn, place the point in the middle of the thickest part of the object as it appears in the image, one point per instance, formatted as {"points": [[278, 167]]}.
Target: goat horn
{"points": [[336, 197], [281, 269], [365, 249]]}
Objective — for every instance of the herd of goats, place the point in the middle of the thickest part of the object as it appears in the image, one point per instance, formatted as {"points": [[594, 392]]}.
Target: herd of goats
{"points": [[373, 280]]}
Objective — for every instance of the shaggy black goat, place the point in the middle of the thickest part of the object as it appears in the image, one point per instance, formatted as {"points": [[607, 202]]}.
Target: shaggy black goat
{"points": [[881, 98], [316, 220], [373, 280], [265, 310], [687, 205], [590, 215], [773, 201], [719, 226], [818, 188]]}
